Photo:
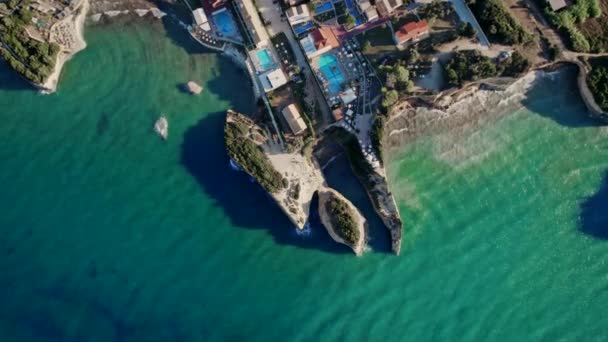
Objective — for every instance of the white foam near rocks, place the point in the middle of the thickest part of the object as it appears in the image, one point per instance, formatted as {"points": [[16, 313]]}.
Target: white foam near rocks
{"points": [[141, 12], [112, 14], [157, 13]]}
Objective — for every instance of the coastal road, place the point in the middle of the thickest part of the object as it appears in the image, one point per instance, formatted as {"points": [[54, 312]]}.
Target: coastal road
{"points": [[465, 15], [272, 13]]}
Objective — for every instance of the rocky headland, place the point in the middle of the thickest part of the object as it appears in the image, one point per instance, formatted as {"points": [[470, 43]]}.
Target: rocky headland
{"points": [[291, 179]]}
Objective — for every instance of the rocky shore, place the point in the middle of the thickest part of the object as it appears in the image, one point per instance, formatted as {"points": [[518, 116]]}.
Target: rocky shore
{"points": [[374, 182], [459, 112]]}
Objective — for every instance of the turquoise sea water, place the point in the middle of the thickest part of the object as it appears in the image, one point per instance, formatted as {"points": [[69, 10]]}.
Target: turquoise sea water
{"points": [[109, 234]]}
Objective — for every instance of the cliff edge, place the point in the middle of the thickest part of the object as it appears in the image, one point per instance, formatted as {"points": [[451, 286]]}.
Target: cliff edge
{"points": [[289, 178]]}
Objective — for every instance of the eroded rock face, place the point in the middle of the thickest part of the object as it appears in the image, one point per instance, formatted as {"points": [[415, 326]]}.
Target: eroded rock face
{"points": [[386, 207], [325, 196]]}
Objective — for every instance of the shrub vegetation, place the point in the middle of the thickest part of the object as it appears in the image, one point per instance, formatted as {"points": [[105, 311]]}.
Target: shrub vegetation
{"points": [[343, 220], [471, 65], [598, 84], [377, 135], [251, 158], [468, 65], [395, 78], [497, 23], [33, 59], [570, 20]]}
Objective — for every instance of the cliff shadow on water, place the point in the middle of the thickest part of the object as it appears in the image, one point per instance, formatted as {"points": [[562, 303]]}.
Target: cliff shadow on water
{"points": [[180, 37], [594, 212], [246, 204], [339, 176], [556, 96], [10, 80]]}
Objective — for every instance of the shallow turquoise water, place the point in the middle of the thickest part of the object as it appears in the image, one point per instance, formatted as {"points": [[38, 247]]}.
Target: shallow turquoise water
{"points": [[109, 233]]}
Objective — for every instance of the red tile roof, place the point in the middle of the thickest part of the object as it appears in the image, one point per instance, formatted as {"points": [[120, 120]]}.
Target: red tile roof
{"points": [[412, 30], [324, 37]]}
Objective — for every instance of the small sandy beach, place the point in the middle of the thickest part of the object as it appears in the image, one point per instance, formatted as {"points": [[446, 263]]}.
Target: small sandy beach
{"points": [[76, 24]]}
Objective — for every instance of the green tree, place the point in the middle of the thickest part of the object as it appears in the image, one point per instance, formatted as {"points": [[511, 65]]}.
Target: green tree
{"points": [[467, 30], [349, 21], [366, 46], [390, 97], [413, 56]]}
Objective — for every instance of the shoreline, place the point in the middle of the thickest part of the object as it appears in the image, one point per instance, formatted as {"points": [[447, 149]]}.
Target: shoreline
{"points": [[466, 108], [52, 82]]}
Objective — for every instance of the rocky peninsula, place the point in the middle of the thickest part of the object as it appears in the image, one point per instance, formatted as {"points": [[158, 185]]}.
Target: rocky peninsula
{"points": [[290, 178]]}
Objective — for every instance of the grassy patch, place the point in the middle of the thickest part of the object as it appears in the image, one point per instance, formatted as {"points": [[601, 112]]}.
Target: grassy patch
{"points": [[377, 40]]}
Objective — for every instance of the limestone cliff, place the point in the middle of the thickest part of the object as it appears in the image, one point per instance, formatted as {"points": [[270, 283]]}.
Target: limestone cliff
{"points": [[373, 179]]}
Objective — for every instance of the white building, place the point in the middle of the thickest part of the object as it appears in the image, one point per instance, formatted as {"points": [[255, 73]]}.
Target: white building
{"points": [[200, 19], [254, 24], [556, 5], [294, 119], [273, 79], [298, 14], [387, 7]]}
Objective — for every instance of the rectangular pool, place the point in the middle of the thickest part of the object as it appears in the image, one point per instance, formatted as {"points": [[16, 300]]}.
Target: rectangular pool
{"points": [[303, 28], [328, 64], [226, 24], [354, 11], [264, 59], [326, 6]]}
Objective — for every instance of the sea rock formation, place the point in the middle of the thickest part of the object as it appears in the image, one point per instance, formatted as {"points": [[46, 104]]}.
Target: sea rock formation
{"points": [[373, 179], [354, 236], [291, 179]]}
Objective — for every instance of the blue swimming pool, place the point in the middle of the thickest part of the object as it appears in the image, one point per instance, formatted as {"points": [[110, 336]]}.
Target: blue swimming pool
{"points": [[354, 11], [326, 6], [265, 59], [303, 28], [328, 64], [226, 24]]}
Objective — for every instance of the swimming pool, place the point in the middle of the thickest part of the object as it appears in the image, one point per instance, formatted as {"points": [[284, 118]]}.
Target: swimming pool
{"points": [[303, 28], [352, 9], [328, 64], [226, 25], [265, 59], [326, 6]]}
